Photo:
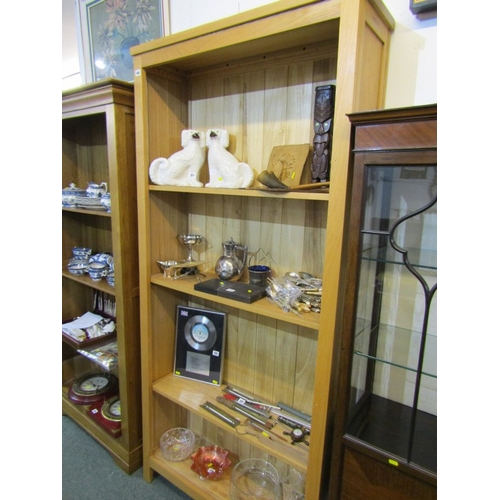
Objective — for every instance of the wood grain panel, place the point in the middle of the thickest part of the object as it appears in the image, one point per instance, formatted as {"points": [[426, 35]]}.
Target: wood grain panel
{"points": [[69, 161], [371, 57], [164, 232], [261, 109], [292, 232], [307, 348], [300, 103], [273, 225], [411, 135], [164, 310], [166, 94], [254, 116], [286, 361], [75, 299], [370, 479], [274, 111], [313, 253], [85, 155]]}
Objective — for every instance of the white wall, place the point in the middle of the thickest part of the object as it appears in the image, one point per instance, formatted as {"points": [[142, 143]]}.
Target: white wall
{"points": [[70, 58], [186, 14], [412, 77]]}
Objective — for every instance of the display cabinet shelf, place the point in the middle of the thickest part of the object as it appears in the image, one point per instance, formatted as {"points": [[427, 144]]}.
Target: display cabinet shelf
{"points": [[255, 75], [424, 259], [89, 342], [391, 441], [98, 145], [85, 280], [394, 347], [99, 213]]}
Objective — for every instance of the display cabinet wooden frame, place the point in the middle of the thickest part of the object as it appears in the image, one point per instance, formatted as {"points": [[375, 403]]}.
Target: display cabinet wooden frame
{"points": [[255, 75], [98, 145], [386, 431]]}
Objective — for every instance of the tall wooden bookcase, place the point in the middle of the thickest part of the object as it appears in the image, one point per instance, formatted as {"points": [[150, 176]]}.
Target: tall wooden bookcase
{"points": [[98, 145], [255, 75]]}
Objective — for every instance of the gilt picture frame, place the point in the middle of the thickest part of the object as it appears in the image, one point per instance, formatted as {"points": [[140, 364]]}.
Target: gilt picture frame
{"points": [[108, 28]]}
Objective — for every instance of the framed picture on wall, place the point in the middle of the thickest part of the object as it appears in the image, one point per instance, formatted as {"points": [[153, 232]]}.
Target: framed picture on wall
{"points": [[108, 28]]}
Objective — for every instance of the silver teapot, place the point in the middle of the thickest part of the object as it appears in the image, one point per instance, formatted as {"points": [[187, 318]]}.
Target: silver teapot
{"points": [[233, 261]]}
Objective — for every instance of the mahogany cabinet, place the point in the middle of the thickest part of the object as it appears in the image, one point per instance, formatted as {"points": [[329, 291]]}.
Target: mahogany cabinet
{"points": [[385, 440]]}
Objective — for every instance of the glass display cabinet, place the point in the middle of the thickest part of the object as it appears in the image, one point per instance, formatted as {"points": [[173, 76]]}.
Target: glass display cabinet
{"points": [[389, 370]]}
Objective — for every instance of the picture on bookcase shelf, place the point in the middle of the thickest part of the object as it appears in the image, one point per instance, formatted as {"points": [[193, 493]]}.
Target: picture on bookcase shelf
{"points": [[199, 346], [109, 28]]}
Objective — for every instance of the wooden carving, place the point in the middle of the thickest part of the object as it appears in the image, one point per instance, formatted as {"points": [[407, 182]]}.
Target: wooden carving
{"points": [[323, 126]]}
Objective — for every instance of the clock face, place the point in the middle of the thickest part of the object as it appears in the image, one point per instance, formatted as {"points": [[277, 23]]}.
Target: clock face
{"points": [[111, 409], [115, 409], [94, 384], [107, 413], [93, 387]]}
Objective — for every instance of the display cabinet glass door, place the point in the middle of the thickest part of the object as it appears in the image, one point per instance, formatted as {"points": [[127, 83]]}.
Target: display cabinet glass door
{"points": [[392, 407]]}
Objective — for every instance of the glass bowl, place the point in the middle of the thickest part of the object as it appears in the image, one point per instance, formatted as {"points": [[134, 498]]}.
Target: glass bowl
{"points": [[254, 479], [210, 462], [177, 444]]}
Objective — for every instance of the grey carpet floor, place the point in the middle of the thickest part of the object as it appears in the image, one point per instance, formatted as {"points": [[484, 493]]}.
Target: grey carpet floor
{"points": [[89, 473]]}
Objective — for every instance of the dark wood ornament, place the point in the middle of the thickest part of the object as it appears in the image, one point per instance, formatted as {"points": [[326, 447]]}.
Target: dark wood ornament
{"points": [[323, 127]]}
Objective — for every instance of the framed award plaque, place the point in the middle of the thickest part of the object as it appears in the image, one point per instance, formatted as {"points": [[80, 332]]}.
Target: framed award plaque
{"points": [[199, 346]]}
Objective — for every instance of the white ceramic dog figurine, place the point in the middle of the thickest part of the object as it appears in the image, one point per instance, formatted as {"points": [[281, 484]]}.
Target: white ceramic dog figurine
{"points": [[224, 169], [182, 168]]}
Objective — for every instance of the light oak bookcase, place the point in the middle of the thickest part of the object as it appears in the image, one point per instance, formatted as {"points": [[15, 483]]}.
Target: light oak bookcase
{"points": [[255, 75], [98, 145]]}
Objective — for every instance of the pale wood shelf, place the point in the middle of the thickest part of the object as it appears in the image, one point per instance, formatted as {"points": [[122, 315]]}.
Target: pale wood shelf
{"points": [[100, 213], [191, 394], [180, 474], [319, 194], [263, 307], [85, 279]]}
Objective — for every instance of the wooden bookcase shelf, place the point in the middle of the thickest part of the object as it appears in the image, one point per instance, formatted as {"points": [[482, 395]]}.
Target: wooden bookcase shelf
{"points": [[98, 145], [262, 307], [255, 75]]}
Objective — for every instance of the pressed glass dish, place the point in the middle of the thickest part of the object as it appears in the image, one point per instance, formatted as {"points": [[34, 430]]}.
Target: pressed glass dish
{"points": [[210, 462], [177, 444]]}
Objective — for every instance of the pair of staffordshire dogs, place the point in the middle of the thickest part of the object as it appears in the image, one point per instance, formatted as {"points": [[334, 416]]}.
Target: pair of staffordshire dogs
{"points": [[183, 167]]}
